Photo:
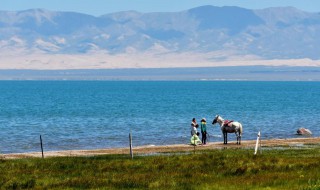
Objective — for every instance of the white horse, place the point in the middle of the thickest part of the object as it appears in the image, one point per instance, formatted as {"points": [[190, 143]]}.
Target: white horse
{"points": [[228, 127]]}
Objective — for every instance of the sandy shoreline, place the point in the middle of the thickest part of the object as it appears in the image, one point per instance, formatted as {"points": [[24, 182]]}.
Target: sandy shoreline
{"points": [[292, 142], [150, 59]]}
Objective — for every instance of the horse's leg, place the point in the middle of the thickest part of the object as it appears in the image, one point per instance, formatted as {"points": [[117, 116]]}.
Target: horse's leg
{"points": [[226, 137], [238, 138]]}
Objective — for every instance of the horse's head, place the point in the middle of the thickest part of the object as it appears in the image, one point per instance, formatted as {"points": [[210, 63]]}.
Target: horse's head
{"points": [[215, 120]]}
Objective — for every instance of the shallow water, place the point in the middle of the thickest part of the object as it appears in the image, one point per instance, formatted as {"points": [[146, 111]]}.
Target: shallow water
{"points": [[101, 114]]}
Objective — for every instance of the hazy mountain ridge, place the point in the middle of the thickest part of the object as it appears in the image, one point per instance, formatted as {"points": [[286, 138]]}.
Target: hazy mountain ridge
{"points": [[225, 32]]}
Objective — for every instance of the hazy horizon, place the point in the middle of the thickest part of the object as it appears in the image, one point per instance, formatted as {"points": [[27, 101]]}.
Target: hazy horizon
{"points": [[100, 7]]}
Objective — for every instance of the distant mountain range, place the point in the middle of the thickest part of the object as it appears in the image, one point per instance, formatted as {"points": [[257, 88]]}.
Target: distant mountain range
{"points": [[226, 33]]}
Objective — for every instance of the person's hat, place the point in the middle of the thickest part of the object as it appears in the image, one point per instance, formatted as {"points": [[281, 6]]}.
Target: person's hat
{"points": [[204, 119]]}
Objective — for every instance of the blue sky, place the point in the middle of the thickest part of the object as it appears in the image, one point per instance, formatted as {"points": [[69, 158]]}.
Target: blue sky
{"points": [[100, 7]]}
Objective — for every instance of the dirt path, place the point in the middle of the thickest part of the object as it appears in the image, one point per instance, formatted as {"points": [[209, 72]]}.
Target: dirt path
{"points": [[293, 142]]}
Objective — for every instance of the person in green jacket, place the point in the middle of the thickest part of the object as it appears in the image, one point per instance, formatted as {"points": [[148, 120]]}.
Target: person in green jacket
{"points": [[203, 126]]}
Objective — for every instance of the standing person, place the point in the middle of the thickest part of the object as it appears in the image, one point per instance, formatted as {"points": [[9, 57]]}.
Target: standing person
{"points": [[194, 126], [203, 130]]}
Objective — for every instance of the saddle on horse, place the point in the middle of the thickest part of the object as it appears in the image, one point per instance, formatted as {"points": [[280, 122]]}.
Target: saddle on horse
{"points": [[227, 123]]}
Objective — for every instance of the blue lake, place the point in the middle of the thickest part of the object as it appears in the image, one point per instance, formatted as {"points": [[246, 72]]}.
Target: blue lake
{"points": [[101, 114]]}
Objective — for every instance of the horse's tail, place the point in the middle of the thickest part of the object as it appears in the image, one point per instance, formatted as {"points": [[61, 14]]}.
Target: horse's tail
{"points": [[240, 129]]}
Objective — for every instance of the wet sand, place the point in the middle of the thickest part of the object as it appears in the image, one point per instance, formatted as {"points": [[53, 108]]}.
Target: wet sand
{"points": [[292, 142]]}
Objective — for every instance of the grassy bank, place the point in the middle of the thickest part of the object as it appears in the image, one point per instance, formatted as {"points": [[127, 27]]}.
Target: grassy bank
{"points": [[210, 169]]}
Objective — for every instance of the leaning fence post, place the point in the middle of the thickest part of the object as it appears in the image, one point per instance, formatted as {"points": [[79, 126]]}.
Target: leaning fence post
{"points": [[41, 146], [260, 144], [257, 143], [130, 143]]}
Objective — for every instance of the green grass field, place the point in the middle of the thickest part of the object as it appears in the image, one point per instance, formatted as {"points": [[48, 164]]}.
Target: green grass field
{"points": [[210, 169]]}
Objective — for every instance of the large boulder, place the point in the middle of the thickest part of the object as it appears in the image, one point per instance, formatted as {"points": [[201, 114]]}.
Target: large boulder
{"points": [[304, 131]]}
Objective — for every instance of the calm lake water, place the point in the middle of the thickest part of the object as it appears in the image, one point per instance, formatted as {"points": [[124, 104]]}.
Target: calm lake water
{"points": [[101, 114]]}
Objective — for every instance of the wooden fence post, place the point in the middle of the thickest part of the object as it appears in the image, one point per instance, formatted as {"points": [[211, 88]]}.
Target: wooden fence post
{"points": [[41, 146], [130, 143]]}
